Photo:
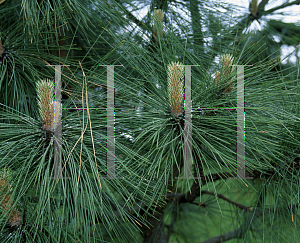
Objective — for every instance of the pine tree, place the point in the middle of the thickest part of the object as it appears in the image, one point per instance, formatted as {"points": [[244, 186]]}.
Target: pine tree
{"points": [[143, 196]]}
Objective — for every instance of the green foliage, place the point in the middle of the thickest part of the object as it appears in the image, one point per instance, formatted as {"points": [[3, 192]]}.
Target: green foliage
{"points": [[146, 203]]}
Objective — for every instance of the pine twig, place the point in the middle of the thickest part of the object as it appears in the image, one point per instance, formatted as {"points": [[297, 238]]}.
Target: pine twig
{"points": [[284, 5]]}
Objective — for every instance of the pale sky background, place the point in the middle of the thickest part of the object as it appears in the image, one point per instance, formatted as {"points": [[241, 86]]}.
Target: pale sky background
{"points": [[290, 14]]}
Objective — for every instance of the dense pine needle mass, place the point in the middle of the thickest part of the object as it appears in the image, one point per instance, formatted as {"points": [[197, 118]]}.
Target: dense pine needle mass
{"points": [[123, 72]]}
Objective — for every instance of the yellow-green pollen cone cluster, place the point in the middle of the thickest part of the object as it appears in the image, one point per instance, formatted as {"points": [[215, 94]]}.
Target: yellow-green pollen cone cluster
{"points": [[226, 61], [175, 87], [48, 109]]}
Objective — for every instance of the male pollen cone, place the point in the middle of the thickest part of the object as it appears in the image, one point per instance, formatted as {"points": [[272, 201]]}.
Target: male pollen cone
{"points": [[45, 93], [226, 71], [175, 87], [6, 205]]}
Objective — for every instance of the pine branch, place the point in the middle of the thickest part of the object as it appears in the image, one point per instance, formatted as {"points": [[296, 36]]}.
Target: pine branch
{"points": [[284, 5], [196, 190], [218, 195], [196, 25], [261, 5], [238, 233], [246, 21]]}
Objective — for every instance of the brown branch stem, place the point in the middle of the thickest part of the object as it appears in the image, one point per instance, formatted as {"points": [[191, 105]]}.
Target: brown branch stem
{"points": [[218, 195]]}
